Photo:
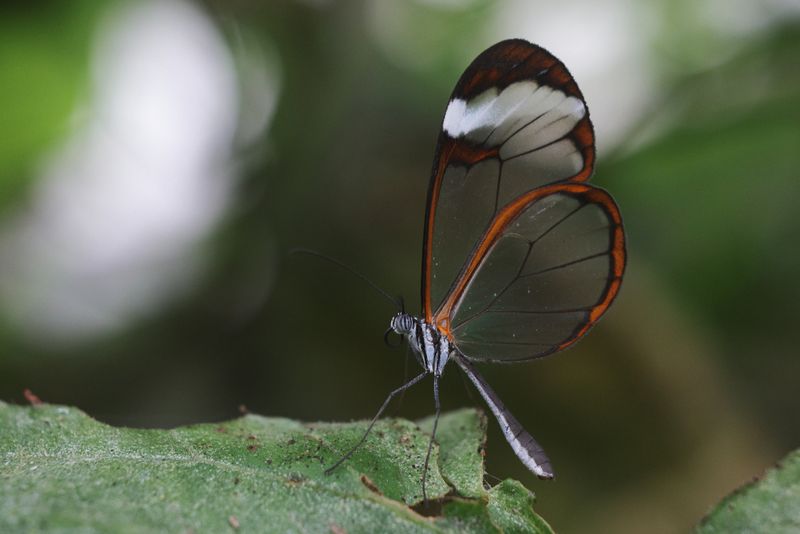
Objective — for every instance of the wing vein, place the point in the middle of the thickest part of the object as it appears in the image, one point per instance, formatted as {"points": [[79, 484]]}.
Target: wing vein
{"points": [[549, 143], [536, 118], [520, 343], [567, 264], [517, 276], [545, 312]]}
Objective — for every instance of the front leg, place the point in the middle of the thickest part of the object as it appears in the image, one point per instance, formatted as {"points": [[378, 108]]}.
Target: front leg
{"points": [[349, 453]]}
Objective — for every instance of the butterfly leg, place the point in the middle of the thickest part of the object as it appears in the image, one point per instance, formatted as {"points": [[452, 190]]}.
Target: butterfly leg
{"points": [[349, 453], [433, 435], [406, 358]]}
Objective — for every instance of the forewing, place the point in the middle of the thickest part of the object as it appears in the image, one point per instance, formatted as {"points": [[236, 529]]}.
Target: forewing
{"points": [[515, 121], [544, 273]]}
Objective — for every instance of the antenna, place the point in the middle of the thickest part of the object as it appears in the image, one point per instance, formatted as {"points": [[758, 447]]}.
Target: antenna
{"points": [[398, 302]]}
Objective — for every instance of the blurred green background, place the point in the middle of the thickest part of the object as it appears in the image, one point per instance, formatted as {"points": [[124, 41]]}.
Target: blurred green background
{"points": [[158, 159]]}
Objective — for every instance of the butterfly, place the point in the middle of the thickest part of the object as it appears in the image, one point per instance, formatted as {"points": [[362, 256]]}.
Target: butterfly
{"points": [[520, 256]]}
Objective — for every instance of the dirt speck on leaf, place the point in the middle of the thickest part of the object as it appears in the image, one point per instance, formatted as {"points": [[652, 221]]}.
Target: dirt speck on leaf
{"points": [[295, 479], [370, 485], [31, 397]]}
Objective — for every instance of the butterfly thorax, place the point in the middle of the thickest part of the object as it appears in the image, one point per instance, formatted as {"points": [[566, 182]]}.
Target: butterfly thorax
{"points": [[430, 346]]}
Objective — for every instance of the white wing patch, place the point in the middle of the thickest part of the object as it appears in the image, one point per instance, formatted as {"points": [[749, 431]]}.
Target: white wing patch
{"points": [[545, 126], [521, 118], [453, 117]]}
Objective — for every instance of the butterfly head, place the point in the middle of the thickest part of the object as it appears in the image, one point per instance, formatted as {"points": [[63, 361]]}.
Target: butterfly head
{"points": [[402, 323]]}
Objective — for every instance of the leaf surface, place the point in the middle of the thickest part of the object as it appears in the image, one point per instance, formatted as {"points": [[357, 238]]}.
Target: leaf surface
{"points": [[769, 504], [62, 470]]}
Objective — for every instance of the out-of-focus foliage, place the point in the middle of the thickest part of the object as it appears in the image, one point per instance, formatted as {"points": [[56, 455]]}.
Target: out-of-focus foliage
{"points": [[43, 77], [63, 471], [680, 394], [713, 209]]}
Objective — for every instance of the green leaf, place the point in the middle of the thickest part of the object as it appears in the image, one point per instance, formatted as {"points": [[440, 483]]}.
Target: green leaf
{"points": [[62, 470], [770, 504], [462, 439]]}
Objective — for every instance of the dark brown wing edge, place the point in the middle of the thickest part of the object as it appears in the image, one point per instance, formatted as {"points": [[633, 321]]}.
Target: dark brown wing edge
{"points": [[524, 446], [500, 65]]}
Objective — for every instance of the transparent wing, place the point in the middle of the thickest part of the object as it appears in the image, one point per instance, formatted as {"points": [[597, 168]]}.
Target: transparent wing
{"points": [[516, 121], [543, 274]]}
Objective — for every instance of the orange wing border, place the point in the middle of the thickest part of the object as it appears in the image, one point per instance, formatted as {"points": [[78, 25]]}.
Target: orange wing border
{"points": [[618, 254]]}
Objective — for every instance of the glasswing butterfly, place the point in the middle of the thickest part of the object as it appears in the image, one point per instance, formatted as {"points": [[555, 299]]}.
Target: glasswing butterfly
{"points": [[520, 256]]}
